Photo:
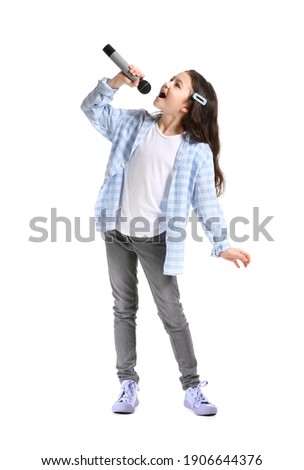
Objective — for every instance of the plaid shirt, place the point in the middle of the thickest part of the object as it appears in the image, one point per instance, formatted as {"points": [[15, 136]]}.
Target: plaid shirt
{"points": [[192, 181]]}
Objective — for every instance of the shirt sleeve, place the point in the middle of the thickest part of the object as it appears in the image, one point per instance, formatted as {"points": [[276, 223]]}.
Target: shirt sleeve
{"points": [[96, 106], [208, 209]]}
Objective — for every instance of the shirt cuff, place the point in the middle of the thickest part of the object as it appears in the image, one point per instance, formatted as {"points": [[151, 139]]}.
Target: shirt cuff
{"points": [[105, 89], [218, 247]]}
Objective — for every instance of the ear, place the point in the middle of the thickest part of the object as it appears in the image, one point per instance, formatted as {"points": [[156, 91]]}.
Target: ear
{"points": [[184, 109]]}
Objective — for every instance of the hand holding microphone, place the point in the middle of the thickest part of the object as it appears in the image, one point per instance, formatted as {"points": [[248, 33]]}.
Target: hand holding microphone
{"points": [[122, 79], [129, 75]]}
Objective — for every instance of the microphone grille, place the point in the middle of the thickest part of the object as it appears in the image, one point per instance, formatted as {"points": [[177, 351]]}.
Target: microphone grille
{"points": [[144, 87]]}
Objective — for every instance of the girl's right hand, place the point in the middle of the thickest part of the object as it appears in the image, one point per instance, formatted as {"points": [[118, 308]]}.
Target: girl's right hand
{"points": [[121, 79]]}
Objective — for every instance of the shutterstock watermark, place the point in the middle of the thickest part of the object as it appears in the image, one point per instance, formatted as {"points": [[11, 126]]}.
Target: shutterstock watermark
{"points": [[46, 229]]}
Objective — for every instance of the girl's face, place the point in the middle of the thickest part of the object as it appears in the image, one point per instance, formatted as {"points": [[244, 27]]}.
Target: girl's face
{"points": [[173, 96]]}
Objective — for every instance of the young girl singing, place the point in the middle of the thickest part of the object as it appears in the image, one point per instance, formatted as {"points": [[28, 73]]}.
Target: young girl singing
{"points": [[159, 165]]}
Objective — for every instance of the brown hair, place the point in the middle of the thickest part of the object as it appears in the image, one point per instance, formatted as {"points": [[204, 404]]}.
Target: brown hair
{"points": [[201, 122]]}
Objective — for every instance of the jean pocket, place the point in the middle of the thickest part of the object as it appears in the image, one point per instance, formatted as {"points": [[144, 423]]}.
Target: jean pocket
{"points": [[116, 235]]}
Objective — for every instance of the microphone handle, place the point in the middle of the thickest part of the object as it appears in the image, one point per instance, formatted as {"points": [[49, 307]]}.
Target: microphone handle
{"points": [[119, 61], [144, 86]]}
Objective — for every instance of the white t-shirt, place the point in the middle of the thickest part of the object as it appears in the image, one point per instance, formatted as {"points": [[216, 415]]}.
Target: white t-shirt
{"points": [[147, 179]]}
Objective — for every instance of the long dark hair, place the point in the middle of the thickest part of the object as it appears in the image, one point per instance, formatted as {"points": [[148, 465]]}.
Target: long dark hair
{"points": [[201, 122]]}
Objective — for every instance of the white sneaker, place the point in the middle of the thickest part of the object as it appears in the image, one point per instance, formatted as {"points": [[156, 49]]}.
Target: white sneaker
{"points": [[196, 401], [127, 400]]}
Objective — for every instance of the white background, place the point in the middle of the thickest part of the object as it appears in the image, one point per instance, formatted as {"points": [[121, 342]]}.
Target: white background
{"points": [[57, 353]]}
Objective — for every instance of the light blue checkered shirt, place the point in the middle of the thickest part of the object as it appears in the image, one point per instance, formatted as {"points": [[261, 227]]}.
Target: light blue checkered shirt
{"points": [[192, 182]]}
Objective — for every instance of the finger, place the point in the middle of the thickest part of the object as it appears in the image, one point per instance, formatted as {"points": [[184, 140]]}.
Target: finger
{"points": [[135, 83], [247, 255], [237, 264], [136, 71], [244, 259]]}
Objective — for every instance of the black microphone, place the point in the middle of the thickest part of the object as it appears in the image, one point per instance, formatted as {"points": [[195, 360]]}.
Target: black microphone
{"points": [[144, 87]]}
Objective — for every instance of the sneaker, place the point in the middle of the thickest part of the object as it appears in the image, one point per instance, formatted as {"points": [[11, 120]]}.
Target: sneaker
{"points": [[127, 400], [197, 402]]}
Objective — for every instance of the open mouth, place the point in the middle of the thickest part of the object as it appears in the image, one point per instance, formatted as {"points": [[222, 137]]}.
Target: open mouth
{"points": [[162, 95]]}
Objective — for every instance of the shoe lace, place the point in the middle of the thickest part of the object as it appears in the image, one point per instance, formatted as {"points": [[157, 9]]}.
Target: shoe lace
{"points": [[127, 391], [199, 397]]}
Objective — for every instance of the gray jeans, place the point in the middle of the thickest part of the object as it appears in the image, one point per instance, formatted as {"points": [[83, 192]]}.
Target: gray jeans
{"points": [[123, 252]]}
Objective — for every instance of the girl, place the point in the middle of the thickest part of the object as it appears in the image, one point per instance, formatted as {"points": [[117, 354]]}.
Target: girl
{"points": [[158, 166]]}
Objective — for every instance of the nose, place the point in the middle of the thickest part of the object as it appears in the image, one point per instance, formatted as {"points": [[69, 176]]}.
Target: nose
{"points": [[168, 84]]}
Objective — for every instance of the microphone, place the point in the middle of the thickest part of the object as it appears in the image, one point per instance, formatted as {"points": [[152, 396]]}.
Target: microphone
{"points": [[144, 87]]}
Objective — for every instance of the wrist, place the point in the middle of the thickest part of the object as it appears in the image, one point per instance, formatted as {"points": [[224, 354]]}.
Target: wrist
{"points": [[115, 82], [222, 253]]}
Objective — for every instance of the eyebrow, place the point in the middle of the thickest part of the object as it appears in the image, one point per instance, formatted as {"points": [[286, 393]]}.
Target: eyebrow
{"points": [[177, 80]]}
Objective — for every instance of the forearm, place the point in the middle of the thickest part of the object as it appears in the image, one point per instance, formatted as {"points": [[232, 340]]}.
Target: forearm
{"points": [[117, 81], [208, 209], [121, 79], [215, 227]]}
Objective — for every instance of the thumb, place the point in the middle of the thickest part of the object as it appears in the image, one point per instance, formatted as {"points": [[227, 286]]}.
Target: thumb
{"points": [[135, 83]]}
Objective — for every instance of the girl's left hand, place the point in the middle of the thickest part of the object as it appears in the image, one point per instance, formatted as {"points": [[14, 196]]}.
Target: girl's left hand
{"points": [[235, 254]]}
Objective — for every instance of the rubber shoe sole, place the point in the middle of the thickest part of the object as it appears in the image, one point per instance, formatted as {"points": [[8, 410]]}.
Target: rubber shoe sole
{"points": [[124, 407], [205, 409]]}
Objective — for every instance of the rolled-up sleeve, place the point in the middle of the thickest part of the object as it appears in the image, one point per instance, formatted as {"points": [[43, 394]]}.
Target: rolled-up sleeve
{"points": [[96, 106]]}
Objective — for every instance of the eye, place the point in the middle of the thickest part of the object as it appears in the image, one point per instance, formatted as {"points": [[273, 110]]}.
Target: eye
{"points": [[177, 84]]}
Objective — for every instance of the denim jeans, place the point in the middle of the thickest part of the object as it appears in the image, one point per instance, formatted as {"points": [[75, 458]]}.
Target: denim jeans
{"points": [[123, 252]]}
